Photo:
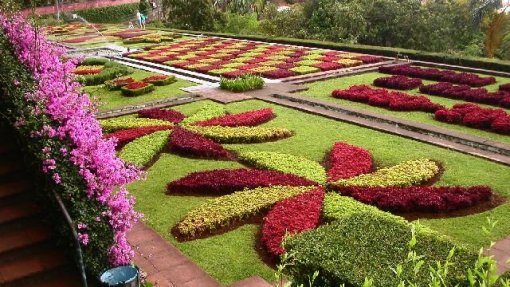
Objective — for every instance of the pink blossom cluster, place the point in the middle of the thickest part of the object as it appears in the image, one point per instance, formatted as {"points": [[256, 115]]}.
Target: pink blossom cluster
{"points": [[73, 122]]}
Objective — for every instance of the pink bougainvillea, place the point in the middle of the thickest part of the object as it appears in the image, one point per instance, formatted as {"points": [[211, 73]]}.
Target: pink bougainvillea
{"points": [[73, 121]]}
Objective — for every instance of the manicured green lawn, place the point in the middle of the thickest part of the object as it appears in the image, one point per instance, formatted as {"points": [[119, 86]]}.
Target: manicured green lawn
{"points": [[322, 91], [114, 99], [232, 256]]}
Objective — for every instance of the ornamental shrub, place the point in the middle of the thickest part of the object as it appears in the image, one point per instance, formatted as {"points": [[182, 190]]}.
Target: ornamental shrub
{"points": [[136, 89], [120, 123], [346, 161], [160, 114], [242, 84], [208, 111], [111, 71], [111, 14], [233, 208], [368, 245], [230, 135], [160, 80], [337, 207], [190, 143], [466, 93], [398, 82], [304, 69], [142, 151], [125, 136], [250, 118]]}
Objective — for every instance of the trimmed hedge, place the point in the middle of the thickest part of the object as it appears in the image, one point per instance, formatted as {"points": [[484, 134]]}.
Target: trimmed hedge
{"points": [[160, 114], [285, 163], [190, 143], [405, 174], [233, 208], [111, 71], [114, 124], [346, 161], [137, 89], [125, 136], [250, 118], [229, 135], [207, 112], [340, 207], [142, 151], [369, 245], [111, 14], [474, 62]]}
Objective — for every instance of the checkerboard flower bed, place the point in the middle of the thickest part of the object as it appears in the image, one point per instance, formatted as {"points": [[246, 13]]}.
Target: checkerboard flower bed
{"points": [[229, 55], [398, 82], [466, 93], [160, 80], [397, 101], [472, 115], [433, 74], [225, 181], [136, 89]]}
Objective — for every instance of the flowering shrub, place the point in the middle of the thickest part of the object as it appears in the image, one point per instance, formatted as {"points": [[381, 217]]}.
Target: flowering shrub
{"points": [[505, 87], [366, 59], [291, 216], [113, 124], [125, 136], [387, 99], [229, 135], [408, 173], [232, 208], [327, 66], [118, 83], [251, 118], [278, 74], [471, 115], [136, 89], [64, 138], [346, 161], [88, 70], [160, 80], [207, 112], [285, 163], [187, 142], [433, 74], [398, 82], [110, 71], [143, 150], [420, 198], [225, 181], [464, 92], [160, 114]]}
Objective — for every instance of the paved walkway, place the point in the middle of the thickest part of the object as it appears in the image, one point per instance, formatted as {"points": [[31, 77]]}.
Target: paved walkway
{"points": [[501, 253], [77, 6]]}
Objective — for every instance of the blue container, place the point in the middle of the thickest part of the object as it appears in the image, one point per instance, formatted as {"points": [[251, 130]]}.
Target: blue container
{"points": [[123, 276]]}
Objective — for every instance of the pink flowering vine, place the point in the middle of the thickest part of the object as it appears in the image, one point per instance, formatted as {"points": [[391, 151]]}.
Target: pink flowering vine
{"points": [[72, 120]]}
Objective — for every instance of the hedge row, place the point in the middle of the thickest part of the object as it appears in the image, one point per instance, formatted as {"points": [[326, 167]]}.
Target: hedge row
{"points": [[346, 161], [111, 14], [340, 207], [250, 118], [233, 208], [190, 143], [473, 115], [229, 135], [111, 71], [225, 181], [142, 151], [160, 114], [114, 124], [125, 136], [368, 245], [398, 82], [474, 62], [405, 174], [285, 163], [207, 112]]}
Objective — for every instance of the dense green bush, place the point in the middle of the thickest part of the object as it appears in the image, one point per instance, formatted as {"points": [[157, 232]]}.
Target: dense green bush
{"points": [[369, 245], [129, 92], [121, 123], [230, 135], [242, 84], [111, 14], [142, 151], [112, 70], [94, 61], [240, 24]]}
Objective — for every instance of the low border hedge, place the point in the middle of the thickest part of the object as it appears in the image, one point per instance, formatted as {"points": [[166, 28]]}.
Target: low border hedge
{"points": [[111, 14]]}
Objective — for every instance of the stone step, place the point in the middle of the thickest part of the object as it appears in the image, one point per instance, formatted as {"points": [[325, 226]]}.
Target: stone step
{"points": [[23, 238], [18, 212], [253, 281], [14, 188], [10, 167], [30, 267]]}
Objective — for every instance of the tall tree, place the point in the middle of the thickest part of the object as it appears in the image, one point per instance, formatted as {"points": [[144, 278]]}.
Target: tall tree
{"points": [[190, 14]]}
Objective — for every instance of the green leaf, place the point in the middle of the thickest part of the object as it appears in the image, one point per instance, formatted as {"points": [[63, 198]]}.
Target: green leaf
{"points": [[142, 151]]}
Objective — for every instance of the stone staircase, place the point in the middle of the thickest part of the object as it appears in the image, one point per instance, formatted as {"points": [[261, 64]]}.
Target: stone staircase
{"points": [[28, 254]]}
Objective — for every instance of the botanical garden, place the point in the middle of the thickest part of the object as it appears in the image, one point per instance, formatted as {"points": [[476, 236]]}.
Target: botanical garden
{"points": [[255, 143]]}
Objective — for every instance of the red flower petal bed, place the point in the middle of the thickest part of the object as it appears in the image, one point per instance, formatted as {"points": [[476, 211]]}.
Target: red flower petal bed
{"points": [[397, 101], [123, 82], [251, 118], [81, 39], [160, 114], [505, 87], [225, 181], [136, 85], [125, 136], [421, 198], [155, 78], [347, 161], [472, 115], [398, 82], [433, 74], [278, 74], [369, 59], [291, 216], [466, 93], [187, 142]]}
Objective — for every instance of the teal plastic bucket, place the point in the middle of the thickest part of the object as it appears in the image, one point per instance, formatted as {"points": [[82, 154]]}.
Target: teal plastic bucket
{"points": [[123, 276]]}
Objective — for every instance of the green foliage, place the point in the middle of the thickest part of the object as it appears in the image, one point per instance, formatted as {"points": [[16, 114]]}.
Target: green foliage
{"points": [[287, 23], [191, 14], [230, 209], [110, 14], [144, 7], [142, 151], [370, 245], [240, 24], [94, 62], [137, 92], [304, 69], [113, 124], [405, 174], [170, 80], [340, 207], [285, 163], [242, 84], [221, 71], [229, 135], [207, 112], [111, 71]]}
